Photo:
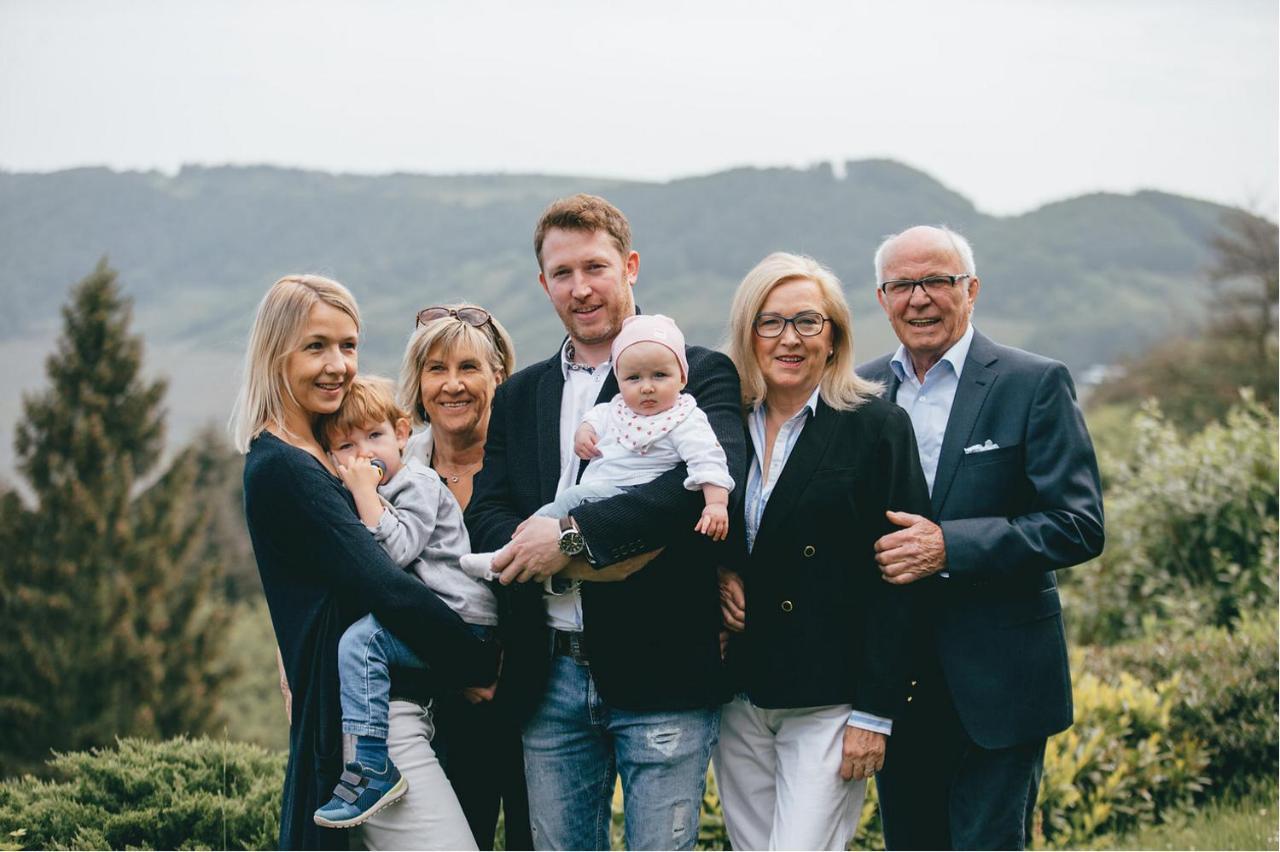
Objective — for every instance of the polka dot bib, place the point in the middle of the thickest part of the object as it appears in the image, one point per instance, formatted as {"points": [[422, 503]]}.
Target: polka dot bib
{"points": [[637, 432]]}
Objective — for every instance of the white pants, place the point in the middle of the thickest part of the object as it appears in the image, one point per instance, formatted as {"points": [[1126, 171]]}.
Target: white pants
{"points": [[429, 816], [778, 773]]}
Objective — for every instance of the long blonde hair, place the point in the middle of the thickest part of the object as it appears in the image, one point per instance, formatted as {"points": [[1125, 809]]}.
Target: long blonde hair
{"points": [[490, 341], [840, 387], [277, 326]]}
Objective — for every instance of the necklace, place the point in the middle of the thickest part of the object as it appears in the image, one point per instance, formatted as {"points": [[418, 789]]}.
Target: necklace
{"points": [[457, 474]]}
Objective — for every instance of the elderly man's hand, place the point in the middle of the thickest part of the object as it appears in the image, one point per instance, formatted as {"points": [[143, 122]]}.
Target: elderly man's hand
{"points": [[533, 553], [733, 601], [911, 553], [863, 753]]}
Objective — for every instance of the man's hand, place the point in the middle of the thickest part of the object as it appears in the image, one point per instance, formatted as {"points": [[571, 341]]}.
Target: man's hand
{"points": [[863, 753], [584, 442], [532, 554], [580, 569], [733, 601], [911, 553]]}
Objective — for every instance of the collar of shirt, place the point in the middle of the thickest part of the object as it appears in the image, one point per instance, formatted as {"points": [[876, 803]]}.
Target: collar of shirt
{"points": [[902, 367], [760, 482], [568, 364]]}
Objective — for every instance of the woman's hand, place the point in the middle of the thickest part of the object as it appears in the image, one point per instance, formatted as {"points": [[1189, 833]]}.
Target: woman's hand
{"points": [[580, 569], [863, 753], [477, 694], [284, 688], [733, 601]]}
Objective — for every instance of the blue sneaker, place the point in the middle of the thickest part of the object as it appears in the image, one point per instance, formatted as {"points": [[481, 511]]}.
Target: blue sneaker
{"points": [[360, 794]]}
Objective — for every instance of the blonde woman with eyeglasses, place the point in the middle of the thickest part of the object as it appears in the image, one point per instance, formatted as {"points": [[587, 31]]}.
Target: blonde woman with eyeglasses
{"points": [[818, 639]]}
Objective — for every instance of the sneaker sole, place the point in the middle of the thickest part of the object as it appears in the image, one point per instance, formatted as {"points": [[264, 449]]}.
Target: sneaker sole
{"points": [[392, 796]]}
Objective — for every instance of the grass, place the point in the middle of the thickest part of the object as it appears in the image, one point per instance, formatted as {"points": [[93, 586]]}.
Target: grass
{"points": [[1248, 823]]}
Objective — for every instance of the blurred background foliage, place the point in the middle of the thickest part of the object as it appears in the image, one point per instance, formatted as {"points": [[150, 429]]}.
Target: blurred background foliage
{"points": [[132, 606]]}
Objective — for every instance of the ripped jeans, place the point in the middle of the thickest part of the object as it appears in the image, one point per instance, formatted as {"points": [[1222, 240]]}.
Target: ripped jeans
{"points": [[575, 745]]}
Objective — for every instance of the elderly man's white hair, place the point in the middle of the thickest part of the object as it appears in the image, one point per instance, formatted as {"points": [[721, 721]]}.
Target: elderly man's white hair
{"points": [[959, 244]]}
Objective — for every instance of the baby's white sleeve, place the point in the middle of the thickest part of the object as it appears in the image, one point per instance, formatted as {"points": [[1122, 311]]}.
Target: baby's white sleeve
{"points": [[597, 418], [695, 441]]}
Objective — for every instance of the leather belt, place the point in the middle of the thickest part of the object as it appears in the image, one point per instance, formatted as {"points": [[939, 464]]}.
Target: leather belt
{"points": [[569, 644]]}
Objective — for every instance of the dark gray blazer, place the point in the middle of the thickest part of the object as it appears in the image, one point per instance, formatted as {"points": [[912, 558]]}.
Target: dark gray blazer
{"points": [[1010, 518], [653, 639]]}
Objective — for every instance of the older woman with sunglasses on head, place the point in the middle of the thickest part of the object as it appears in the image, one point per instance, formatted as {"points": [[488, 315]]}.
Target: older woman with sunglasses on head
{"points": [[454, 361], [818, 642]]}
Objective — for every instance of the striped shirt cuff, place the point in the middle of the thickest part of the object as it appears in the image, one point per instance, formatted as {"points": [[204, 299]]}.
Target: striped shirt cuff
{"points": [[869, 722]]}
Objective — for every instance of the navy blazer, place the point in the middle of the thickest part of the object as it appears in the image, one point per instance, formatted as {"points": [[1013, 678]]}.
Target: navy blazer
{"points": [[1010, 517], [822, 626], [653, 639]]}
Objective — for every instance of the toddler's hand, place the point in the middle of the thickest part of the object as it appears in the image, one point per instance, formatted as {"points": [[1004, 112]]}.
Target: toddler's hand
{"points": [[584, 442], [362, 475], [714, 522]]}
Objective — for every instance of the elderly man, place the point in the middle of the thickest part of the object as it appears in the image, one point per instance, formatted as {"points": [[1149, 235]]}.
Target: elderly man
{"points": [[1015, 496], [611, 677]]}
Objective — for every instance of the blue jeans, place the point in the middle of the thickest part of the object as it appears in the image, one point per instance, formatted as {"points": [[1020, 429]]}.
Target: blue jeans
{"points": [[366, 653], [575, 745]]}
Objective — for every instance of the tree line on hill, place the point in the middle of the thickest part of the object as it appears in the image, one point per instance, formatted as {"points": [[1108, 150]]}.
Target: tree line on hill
{"points": [[1085, 280]]}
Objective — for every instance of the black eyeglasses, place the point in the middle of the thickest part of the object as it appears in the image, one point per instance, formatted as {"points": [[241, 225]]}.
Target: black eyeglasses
{"points": [[477, 317], [806, 324], [934, 285]]}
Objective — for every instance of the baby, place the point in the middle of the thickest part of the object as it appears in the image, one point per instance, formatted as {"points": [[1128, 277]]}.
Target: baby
{"points": [[644, 431], [418, 522]]}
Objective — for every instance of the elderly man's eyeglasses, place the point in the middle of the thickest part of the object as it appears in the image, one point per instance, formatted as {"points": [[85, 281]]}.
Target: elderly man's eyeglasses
{"points": [[934, 285], [806, 324], [477, 317]]}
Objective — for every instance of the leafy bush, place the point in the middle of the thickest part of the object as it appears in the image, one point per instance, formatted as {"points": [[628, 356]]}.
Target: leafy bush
{"points": [[1228, 683], [179, 794], [1191, 529], [1121, 765]]}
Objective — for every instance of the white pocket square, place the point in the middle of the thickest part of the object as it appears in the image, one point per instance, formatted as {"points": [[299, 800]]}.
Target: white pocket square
{"points": [[985, 447]]}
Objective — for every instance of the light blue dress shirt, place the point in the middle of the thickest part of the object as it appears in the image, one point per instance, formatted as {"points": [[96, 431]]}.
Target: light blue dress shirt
{"points": [[929, 402], [760, 485]]}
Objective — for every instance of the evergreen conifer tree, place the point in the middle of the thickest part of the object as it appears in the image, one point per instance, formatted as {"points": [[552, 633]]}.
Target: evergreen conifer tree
{"points": [[113, 618]]}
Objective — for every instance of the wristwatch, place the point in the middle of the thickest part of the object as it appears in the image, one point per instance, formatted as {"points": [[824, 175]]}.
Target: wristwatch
{"points": [[571, 541]]}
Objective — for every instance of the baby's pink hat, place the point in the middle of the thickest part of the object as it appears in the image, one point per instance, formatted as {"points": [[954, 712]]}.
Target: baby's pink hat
{"points": [[652, 328]]}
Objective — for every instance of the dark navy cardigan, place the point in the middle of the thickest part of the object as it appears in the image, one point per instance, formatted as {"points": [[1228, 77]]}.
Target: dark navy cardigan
{"points": [[321, 569]]}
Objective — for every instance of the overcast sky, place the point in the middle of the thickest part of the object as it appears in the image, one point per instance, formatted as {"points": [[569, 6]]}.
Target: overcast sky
{"points": [[1011, 103]]}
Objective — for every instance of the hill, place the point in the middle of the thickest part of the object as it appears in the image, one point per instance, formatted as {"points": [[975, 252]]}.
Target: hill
{"points": [[1086, 280]]}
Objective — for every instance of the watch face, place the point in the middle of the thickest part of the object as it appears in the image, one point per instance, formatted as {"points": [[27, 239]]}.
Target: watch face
{"points": [[571, 542]]}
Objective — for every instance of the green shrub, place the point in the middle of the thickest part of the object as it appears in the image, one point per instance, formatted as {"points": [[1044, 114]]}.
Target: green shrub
{"points": [[1191, 529], [178, 794], [1227, 692], [1121, 765]]}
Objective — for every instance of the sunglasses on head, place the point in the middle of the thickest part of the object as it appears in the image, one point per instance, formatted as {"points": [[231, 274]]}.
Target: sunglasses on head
{"points": [[477, 317]]}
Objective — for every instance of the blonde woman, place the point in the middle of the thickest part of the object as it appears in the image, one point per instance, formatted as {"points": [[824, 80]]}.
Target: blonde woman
{"points": [[321, 569], [455, 360], [819, 643]]}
